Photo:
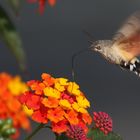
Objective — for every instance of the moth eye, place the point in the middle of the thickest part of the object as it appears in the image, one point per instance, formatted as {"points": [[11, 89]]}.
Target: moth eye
{"points": [[98, 47]]}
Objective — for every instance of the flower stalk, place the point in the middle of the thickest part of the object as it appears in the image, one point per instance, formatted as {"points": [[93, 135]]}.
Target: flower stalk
{"points": [[39, 127]]}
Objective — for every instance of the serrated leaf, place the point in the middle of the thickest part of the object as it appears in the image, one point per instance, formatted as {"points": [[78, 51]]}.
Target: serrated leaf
{"points": [[11, 38], [15, 5], [96, 134]]}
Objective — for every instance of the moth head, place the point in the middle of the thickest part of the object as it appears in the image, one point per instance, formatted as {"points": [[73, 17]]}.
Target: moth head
{"points": [[101, 45]]}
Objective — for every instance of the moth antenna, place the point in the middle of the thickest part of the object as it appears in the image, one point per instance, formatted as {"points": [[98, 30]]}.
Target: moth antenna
{"points": [[90, 37], [73, 60]]}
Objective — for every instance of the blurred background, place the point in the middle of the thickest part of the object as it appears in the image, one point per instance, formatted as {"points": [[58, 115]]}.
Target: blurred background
{"points": [[51, 39]]}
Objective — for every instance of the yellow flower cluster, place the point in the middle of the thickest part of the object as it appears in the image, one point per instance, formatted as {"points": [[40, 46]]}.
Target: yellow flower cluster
{"points": [[62, 84]]}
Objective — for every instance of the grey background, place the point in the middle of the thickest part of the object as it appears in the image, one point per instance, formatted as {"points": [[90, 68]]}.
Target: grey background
{"points": [[51, 39]]}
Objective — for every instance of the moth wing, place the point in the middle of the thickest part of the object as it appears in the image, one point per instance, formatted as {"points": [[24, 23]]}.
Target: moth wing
{"points": [[128, 36], [129, 29]]}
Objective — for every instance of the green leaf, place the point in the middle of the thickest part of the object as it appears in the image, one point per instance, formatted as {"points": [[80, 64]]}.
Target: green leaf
{"points": [[7, 129], [62, 137], [11, 38], [15, 5], [96, 134]]}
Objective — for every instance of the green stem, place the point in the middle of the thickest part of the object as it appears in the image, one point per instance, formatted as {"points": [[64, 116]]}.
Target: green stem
{"points": [[40, 126], [57, 137]]}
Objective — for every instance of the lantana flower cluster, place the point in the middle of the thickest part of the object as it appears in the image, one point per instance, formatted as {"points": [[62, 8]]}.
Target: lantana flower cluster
{"points": [[10, 88], [58, 101], [75, 132], [42, 4], [103, 121]]}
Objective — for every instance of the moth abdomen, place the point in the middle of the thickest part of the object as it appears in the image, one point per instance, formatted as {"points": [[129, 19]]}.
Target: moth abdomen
{"points": [[133, 67]]}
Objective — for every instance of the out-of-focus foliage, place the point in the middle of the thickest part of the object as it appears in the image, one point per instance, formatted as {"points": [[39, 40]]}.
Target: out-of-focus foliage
{"points": [[15, 5], [62, 137], [96, 134], [10, 88], [11, 38], [6, 129]]}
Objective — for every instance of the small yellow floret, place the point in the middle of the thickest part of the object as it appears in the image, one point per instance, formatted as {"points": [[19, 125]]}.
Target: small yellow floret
{"points": [[78, 108], [73, 88], [28, 111], [82, 102], [50, 92], [59, 87], [63, 81], [65, 104]]}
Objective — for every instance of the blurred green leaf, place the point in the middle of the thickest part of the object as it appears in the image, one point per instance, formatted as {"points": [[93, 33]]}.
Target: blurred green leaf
{"points": [[15, 5], [96, 134], [6, 129], [62, 137], [11, 38]]}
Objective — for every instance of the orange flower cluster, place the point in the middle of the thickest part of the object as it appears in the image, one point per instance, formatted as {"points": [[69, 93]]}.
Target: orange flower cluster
{"points": [[57, 100], [10, 88], [42, 4]]}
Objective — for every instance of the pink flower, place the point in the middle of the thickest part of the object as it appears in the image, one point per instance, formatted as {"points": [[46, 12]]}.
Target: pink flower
{"points": [[103, 121], [76, 132]]}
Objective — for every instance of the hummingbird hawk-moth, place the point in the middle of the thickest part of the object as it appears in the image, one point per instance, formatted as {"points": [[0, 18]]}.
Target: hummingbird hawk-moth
{"points": [[124, 47]]}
